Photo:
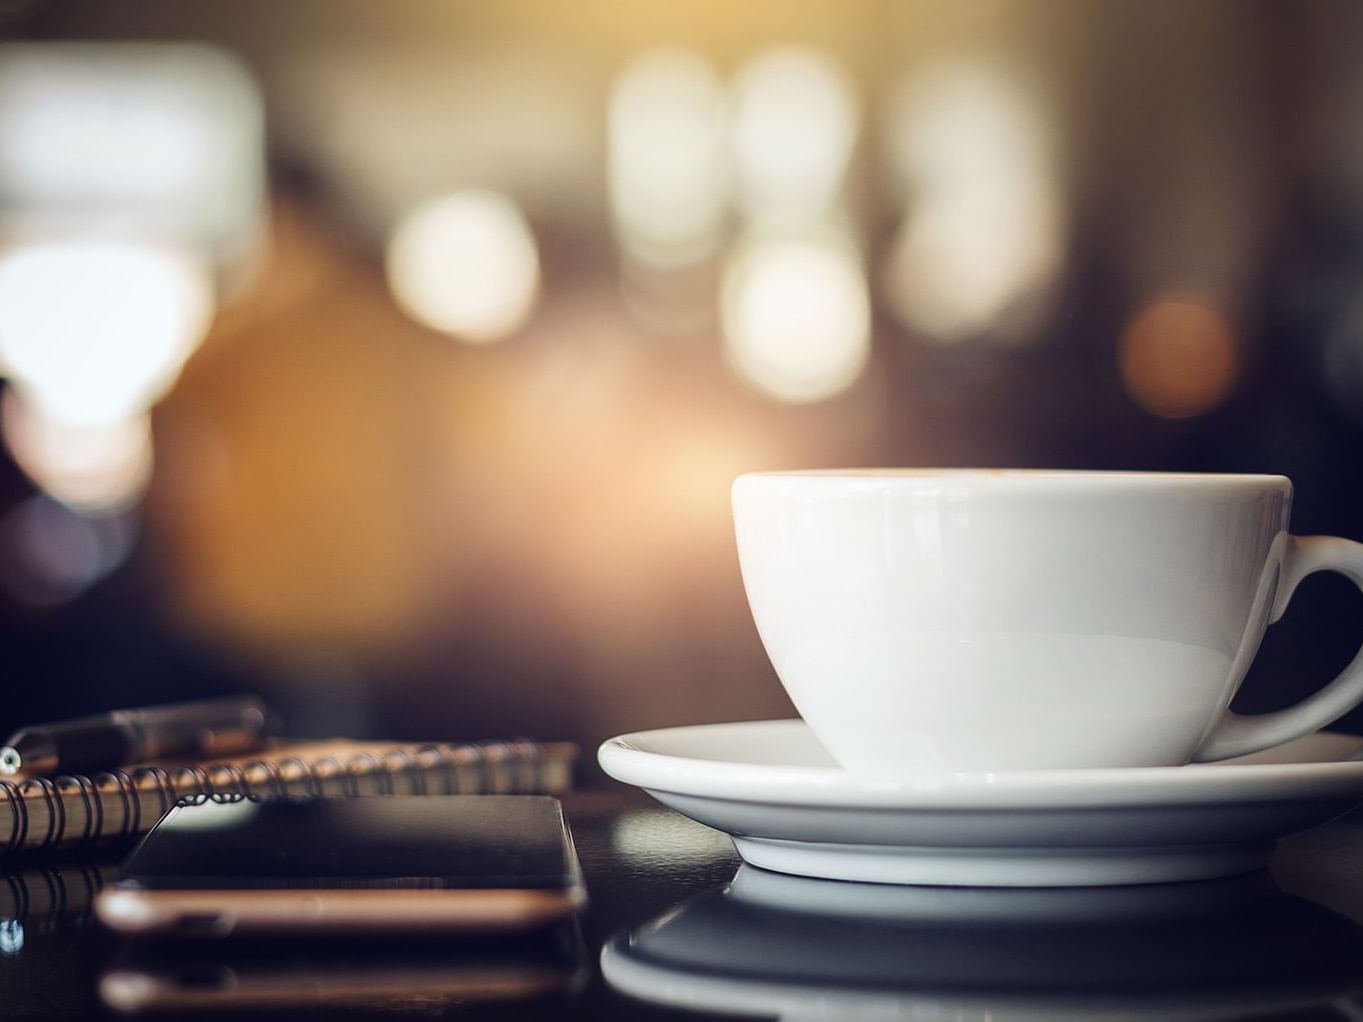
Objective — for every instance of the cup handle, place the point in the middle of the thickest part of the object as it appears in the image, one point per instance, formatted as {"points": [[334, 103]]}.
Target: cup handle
{"points": [[1237, 735]]}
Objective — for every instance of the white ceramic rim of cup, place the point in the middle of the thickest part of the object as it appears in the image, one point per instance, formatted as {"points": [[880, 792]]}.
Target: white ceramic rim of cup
{"points": [[1022, 477]]}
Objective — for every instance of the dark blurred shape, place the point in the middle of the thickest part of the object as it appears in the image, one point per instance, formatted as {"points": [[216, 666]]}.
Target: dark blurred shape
{"points": [[775, 945], [402, 977], [15, 10]]}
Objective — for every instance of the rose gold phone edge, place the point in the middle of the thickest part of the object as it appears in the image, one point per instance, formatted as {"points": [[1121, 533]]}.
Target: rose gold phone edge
{"points": [[134, 910], [131, 991]]}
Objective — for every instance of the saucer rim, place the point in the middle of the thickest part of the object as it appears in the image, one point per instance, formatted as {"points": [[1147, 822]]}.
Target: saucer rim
{"points": [[629, 759]]}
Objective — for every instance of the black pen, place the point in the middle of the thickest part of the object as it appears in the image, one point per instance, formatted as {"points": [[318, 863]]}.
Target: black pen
{"points": [[207, 727]]}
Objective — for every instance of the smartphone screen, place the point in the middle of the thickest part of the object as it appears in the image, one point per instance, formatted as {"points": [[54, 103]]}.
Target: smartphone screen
{"points": [[424, 862]]}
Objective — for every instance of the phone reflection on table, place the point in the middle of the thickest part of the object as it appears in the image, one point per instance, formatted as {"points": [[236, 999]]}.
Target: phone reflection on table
{"points": [[48, 937], [400, 974], [804, 949]]}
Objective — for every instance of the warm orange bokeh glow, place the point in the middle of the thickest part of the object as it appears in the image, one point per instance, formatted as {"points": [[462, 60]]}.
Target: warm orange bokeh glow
{"points": [[1178, 358]]}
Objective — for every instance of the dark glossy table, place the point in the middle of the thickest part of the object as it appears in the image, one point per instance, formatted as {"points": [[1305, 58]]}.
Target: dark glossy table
{"points": [[1286, 944]]}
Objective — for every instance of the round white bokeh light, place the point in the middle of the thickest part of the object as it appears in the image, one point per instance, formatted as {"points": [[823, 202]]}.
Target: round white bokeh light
{"points": [[796, 318], [96, 331], [95, 467], [794, 125], [465, 265]]}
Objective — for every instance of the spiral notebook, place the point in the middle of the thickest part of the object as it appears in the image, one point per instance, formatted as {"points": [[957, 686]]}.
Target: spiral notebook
{"points": [[41, 812]]}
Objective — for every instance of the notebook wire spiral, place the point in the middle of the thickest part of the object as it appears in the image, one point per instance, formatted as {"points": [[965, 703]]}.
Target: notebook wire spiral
{"points": [[69, 810]]}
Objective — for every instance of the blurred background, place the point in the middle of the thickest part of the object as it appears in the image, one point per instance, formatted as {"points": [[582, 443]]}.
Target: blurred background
{"points": [[394, 360]]}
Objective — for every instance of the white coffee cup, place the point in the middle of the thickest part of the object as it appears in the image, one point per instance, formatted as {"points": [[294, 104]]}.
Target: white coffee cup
{"points": [[930, 620]]}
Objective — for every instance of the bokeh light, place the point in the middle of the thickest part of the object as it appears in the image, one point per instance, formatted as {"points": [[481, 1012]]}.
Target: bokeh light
{"points": [[796, 316], [157, 140], [794, 125], [66, 111], [1178, 358], [971, 158], [637, 835], [90, 467], [667, 173], [466, 265], [96, 331], [50, 554], [11, 930]]}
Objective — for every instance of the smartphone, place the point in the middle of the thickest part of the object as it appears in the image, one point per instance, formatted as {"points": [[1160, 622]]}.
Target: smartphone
{"points": [[220, 865]]}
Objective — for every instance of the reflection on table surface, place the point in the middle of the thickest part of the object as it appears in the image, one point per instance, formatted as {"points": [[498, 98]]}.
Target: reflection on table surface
{"points": [[686, 929], [402, 974], [799, 948]]}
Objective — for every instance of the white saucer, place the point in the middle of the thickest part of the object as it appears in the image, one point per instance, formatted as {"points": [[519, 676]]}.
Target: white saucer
{"points": [[790, 808]]}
